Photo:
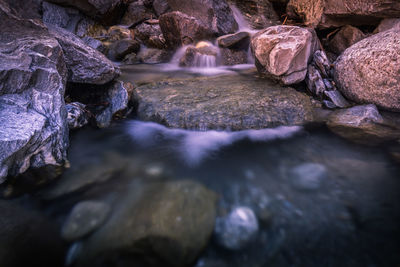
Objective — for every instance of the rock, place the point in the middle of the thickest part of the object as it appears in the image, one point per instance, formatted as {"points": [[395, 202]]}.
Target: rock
{"points": [[85, 64], [314, 81], [388, 24], [368, 72], [259, 14], [215, 15], [161, 224], [180, 29], [362, 124], [333, 13], [161, 7], [95, 44], [199, 56], [28, 238], [136, 13], [240, 40], [308, 176], [346, 37], [20, 8], [131, 59], [116, 33], [321, 61], [231, 57], [119, 49], [225, 102], [238, 229], [77, 115], [336, 98], [153, 56], [107, 12], [283, 52], [150, 35], [104, 101], [84, 219], [33, 128]]}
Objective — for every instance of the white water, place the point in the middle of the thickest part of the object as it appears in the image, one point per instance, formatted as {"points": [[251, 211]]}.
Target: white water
{"points": [[194, 146], [244, 26]]}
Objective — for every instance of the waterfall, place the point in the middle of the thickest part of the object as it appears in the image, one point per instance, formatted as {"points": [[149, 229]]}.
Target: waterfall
{"points": [[243, 25]]}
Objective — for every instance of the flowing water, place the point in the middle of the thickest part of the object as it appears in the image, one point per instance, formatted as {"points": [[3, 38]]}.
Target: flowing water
{"points": [[319, 199]]}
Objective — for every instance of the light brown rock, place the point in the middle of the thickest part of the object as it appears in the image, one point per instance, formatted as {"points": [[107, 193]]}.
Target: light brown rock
{"points": [[346, 37]]}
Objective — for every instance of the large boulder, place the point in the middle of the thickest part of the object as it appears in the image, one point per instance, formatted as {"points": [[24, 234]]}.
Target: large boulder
{"points": [[226, 102], [33, 128], [336, 13], [161, 224], [283, 52], [28, 238], [368, 72], [108, 12], [180, 29], [240, 40], [215, 15], [85, 64]]}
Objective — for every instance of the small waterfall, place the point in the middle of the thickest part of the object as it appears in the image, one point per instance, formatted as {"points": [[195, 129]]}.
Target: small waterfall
{"points": [[205, 61], [244, 26]]}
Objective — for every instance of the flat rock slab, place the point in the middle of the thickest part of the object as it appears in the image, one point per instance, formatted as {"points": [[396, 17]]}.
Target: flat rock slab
{"points": [[233, 102]]}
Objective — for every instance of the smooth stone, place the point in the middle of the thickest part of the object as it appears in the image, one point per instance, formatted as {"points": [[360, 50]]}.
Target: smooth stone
{"points": [[337, 98], [240, 40], [234, 102], [388, 24], [308, 176], [346, 37], [121, 48], [85, 218], [238, 229]]}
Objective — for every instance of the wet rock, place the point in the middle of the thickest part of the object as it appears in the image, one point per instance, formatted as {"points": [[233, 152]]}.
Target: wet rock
{"points": [[240, 40], [362, 124], [161, 224], [238, 229], [283, 52], [107, 12], [161, 7], [150, 35], [85, 64], [85, 218], [153, 56], [136, 13], [199, 56], [259, 14], [367, 72], [95, 44], [314, 81], [28, 238], [180, 29], [337, 98], [224, 102], [332, 13], [308, 176], [116, 33], [77, 115], [231, 57], [215, 15], [388, 24], [346, 37], [33, 128], [119, 49]]}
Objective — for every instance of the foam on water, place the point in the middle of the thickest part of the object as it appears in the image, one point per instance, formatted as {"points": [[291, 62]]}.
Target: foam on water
{"points": [[195, 146]]}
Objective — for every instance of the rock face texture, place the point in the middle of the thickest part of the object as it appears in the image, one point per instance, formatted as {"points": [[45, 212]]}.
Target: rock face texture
{"points": [[33, 132], [136, 13], [164, 224], [108, 12], [283, 52], [388, 24], [336, 13], [85, 64], [215, 15], [212, 103], [180, 29], [368, 72], [346, 37]]}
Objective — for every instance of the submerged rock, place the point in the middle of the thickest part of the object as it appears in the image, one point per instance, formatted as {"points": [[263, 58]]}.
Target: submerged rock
{"points": [[283, 52], [308, 176], [85, 217], [33, 128], [367, 72], [161, 224], [362, 124], [225, 102], [238, 229], [85, 64]]}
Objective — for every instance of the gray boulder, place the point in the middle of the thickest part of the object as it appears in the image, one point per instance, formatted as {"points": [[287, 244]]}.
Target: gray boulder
{"points": [[33, 128], [367, 72], [225, 102], [283, 52], [85, 64], [162, 224], [119, 49]]}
